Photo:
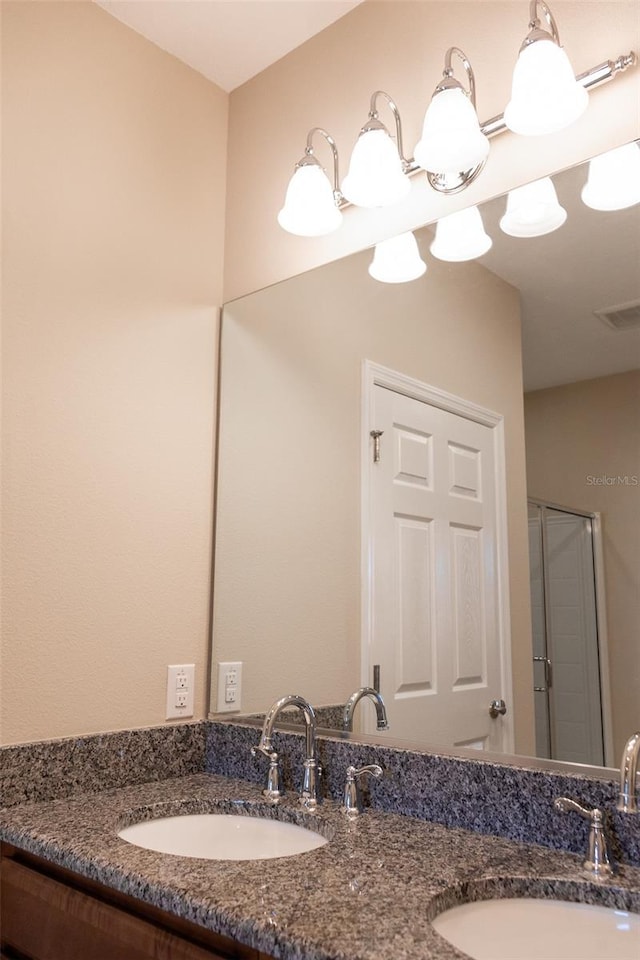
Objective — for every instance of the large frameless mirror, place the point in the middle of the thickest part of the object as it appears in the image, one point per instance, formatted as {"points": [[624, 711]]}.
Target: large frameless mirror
{"points": [[488, 559]]}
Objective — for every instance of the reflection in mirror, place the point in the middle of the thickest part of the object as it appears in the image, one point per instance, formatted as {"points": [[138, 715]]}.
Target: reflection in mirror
{"points": [[466, 568]]}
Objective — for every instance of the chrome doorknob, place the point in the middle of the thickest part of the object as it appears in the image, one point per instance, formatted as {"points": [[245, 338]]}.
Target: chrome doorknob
{"points": [[497, 707]]}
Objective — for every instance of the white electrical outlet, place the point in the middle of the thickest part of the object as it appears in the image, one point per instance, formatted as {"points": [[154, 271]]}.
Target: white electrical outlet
{"points": [[229, 687], [180, 690]]}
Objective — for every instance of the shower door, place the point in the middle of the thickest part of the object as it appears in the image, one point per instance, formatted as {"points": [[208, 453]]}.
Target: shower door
{"points": [[568, 700]]}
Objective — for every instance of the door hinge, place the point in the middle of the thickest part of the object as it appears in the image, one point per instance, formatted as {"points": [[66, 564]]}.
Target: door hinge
{"points": [[376, 434], [548, 673]]}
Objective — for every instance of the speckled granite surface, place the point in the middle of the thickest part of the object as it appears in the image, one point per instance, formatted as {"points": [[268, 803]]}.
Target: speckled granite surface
{"points": [[474, 794], [50, 769], [368, 894], [489, 798]]}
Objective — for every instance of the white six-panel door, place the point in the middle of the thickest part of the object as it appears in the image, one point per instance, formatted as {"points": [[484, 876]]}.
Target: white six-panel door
{"points": [[433, 588]]}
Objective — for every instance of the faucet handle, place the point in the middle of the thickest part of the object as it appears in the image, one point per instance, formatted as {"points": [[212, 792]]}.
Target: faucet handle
{"points": [[272, 791], [567, 805], [351, 803], [597, 862], [374, 769]]}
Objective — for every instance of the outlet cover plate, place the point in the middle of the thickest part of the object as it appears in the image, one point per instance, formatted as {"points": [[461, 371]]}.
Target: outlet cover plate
{"points": [[229, 686], [180, 690]]}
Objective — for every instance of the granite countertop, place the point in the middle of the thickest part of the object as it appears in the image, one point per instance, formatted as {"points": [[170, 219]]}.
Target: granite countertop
{"points": [[368, 894]]}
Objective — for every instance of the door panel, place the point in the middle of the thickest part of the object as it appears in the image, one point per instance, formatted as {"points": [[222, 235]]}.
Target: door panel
{"points": [[415, 666], [468, 615]]}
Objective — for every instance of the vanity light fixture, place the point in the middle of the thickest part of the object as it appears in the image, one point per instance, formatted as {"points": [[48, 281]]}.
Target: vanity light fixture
{"points": [[533, 210], [453, 149], [311, 203], [454, 146], [377, 171], [397, 260], [545, 95], [613, 182], [461, 236]]}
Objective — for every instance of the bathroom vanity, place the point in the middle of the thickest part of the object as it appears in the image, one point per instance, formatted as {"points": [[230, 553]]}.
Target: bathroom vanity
{"points": [[371, 891], [72, 888]]}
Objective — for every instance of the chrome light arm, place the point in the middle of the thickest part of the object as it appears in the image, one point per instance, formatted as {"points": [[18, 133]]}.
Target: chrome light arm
{"points": [[449, 80], [374, 123], [310, 158], [534, 23]]}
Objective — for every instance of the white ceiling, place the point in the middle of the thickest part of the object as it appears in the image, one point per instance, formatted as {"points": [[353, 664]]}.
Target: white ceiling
{"points": [[228, 41]]}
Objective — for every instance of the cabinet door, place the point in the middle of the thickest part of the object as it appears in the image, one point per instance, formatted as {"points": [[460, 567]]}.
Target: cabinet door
{"points": [[45, 919]]}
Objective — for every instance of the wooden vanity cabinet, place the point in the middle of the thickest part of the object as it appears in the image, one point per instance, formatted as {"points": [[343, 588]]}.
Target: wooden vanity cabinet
{"points": [[48, 913]]}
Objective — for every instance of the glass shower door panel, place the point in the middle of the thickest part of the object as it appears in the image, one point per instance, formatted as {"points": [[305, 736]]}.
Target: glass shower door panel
{"points": [[575, 702], [536, 575]]}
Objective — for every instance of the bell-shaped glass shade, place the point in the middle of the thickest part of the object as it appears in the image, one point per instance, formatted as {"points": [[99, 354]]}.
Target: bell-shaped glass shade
{"points": [[375, 177], [397, 260], [309, 207], [533, 210], [614, 179], [451, 136], [545, 96], [461, 236]]}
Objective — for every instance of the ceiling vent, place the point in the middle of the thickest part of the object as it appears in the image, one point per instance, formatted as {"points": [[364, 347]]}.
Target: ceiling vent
{"points": [[624, 317]]}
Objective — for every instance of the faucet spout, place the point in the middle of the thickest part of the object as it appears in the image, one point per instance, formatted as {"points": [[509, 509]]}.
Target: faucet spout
{"points": [[628, 798], [291, 700], [355, 698]]}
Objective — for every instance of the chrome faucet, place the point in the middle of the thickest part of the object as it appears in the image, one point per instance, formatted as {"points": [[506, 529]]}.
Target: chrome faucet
{"points": [[355, 698], [309, 796], [628, 799], [596, 863]]}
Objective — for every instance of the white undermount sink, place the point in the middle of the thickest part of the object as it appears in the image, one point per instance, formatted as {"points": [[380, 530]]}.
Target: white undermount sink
{"points": [[221, 836], [527, 929]]}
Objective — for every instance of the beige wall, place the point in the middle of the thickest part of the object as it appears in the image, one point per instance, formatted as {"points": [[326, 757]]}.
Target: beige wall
{"points": [[287, 582], [576, 435], [113, 182], [399, 47]]}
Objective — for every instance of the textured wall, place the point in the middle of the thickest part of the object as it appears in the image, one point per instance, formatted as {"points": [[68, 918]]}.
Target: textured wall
{"points": [[114, 180]]}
